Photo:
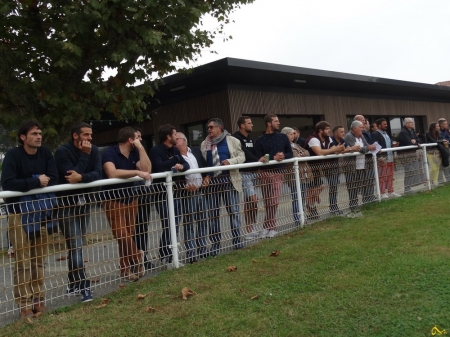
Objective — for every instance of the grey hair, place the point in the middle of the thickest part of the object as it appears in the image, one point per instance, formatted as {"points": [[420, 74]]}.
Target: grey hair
{"points": [[355, 124], [407, 120], [182, 135], [286, 130], [217, 122]]}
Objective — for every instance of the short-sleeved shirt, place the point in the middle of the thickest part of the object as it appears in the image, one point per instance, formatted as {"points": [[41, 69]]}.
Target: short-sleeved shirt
{"points": [[316, 142], [121, 162]]}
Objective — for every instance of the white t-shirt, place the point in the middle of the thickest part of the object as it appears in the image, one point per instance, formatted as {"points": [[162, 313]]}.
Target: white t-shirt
{"points": [[316, 142], [360, 160]]}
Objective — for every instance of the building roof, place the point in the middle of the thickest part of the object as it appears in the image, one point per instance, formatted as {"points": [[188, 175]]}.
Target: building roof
{"points": [[255, 75], [445, 83]]}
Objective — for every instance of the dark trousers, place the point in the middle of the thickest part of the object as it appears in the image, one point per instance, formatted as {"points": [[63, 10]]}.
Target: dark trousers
{"points": [[360, 181]]}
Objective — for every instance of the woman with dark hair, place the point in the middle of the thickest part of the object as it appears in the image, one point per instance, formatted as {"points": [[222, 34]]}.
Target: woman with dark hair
{"points": [[435, 154]]}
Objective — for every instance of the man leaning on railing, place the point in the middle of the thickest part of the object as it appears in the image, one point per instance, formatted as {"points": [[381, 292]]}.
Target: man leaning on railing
{"points": [[125, 160], [27, 167], [221, 149], [78, 161]]}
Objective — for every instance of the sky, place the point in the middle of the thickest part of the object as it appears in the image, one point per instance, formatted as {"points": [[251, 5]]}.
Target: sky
{"points": [[396, 39]]}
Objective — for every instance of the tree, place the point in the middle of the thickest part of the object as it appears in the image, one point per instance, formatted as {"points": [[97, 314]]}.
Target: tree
{"points": [[53, 54]]}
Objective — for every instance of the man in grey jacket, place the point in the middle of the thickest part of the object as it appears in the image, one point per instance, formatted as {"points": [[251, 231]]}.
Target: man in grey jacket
{"points": [[221, 149], [359, 171]]}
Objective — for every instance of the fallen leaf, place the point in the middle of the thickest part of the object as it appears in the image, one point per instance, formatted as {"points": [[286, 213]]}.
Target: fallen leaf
{"points": [[254, 261], [36, 315], [150, 309], [275, 253], [185, 292], [61, 258], [101, 306], [95, 280], [122, 285], [231, 268], [254, 297], [141, 296], [105, 300], [29, 321]]}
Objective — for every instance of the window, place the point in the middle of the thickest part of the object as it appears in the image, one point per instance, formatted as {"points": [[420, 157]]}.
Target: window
{"points": [[195, 133]]}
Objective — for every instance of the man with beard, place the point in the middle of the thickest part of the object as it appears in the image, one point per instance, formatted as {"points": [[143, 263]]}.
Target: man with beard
{"points": [[221, 149], [321, 144], [278, 147], [248, 175], [165, 157], [385, 160]]}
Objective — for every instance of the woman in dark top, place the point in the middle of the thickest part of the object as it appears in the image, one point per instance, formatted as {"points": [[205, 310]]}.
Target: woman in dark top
{"points": [[434, 157]]}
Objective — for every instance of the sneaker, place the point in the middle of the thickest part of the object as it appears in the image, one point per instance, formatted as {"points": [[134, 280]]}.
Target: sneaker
{"points": [[384, 196], [11, 252], [252, 236], [129, 277], [72, 291], [171, 265], [86, 295], [272, 234], [394, 195], [140, 268], [264, 234]]}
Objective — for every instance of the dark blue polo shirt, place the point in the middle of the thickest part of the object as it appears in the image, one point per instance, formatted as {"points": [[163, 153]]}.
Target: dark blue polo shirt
{"points": [[126, 190]]}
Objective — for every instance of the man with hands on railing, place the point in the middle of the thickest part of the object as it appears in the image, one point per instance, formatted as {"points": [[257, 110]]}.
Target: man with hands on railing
{"points": [[320, 143], [359, 174], [278, 147], [221, 149], [194, 201], [77, 161], [26, 167], [165, 157], [127, 159]]}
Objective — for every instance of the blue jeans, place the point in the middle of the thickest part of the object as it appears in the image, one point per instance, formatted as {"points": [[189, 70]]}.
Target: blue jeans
{"points": [[72, 223], [195, 211], [141, 228], [165, 250], [225, 191], [295, 208]]}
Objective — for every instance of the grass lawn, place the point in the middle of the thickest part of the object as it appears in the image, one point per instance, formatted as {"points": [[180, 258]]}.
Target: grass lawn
{"points": [[385, 274]]}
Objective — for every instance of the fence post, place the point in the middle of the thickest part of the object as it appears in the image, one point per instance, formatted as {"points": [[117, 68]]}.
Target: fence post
{"points": [[427, 171], [377, 178], [172, 223], [299, 194]]}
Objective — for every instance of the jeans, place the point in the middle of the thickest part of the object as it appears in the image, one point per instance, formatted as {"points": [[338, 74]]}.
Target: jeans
{"points": [[223, 190], [360, 181], [294, 196], [165, 242], [332, 176], [141, 229], [195, 211], [72, 223]]}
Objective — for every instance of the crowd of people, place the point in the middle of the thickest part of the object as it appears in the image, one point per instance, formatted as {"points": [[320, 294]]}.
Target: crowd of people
{"points": [[197, 201]]}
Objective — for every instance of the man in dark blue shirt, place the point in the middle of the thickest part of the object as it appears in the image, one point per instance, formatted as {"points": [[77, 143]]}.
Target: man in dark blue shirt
{"points": [[27, 167], [165, 157], [78, 161], [278, 147], [125, 160]]}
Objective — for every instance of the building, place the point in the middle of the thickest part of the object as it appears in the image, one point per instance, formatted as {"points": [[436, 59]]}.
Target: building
{"points": [[301, 97]]}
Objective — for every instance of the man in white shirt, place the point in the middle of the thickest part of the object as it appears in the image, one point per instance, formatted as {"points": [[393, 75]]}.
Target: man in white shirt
{"points": [[194, 201]]}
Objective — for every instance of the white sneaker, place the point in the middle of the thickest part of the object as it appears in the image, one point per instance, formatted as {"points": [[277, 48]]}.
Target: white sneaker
{"points": [[385, 196], [171, 265], [264, 234], [394, 195], [272, 234], [252, 236]]}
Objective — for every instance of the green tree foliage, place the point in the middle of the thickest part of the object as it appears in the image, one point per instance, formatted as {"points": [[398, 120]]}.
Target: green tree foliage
{"points": [[53, 54]]}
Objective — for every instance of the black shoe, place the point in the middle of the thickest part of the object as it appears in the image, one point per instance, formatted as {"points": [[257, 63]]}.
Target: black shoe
{"points": [[337, 212], [148, 265]]}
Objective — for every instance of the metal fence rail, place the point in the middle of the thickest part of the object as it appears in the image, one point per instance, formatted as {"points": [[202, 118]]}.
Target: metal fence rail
{"points": [[172, 225]]}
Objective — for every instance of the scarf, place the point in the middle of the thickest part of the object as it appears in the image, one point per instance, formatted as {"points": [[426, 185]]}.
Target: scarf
{"points": [[211, 144]]}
